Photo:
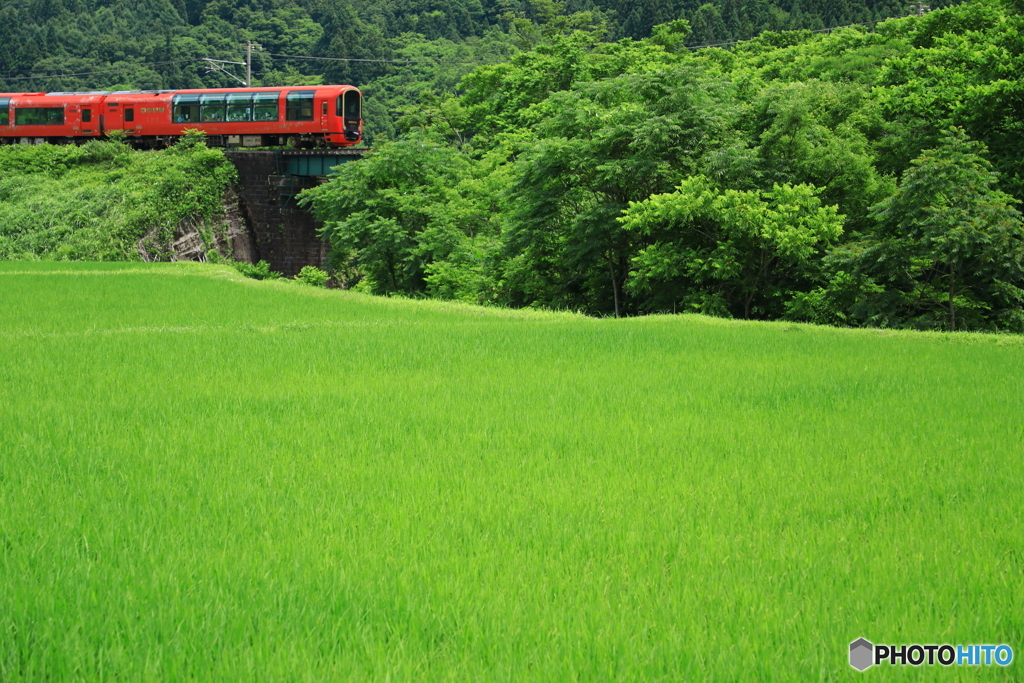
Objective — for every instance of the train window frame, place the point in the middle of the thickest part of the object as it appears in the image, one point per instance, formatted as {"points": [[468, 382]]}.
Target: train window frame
{"points": [[238, 107], [86, 115], [343, 100], [299, 105], [185, 108], [5, 111], [213, 107], [39, 116], [266, 107], [129, 115]]}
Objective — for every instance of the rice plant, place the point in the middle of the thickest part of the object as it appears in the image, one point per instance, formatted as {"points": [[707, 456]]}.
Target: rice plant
{"points": [[205, 477]]}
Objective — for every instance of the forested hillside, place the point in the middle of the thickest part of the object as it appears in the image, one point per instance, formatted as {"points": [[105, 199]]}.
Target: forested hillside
{"points": [[154, 43], [396, 50], [865, 177]]}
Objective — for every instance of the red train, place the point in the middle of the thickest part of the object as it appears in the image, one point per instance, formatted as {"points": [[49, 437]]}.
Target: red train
{"points": [[313, 116]]}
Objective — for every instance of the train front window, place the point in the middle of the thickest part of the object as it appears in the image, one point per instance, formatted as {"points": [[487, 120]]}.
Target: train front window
{"points": [[240, 107], [352, 104], [185, 109], [264, 106], [299, 105], [212, 107], [5, 111], [39, 116]]}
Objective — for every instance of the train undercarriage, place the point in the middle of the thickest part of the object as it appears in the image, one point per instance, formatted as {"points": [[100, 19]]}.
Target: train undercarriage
{"points": [[300, 141]]}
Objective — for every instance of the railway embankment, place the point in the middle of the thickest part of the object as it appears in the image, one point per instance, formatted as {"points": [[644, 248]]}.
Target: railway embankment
{"points": [[226, 232], [105, 201]]}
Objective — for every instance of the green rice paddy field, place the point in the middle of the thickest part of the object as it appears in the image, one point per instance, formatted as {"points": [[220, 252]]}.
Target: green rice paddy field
{"points": [[208, 478]]}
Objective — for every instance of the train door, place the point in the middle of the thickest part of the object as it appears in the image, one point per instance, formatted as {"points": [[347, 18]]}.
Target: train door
{"points": [[111, 118], [88, 125], [323, 116]]}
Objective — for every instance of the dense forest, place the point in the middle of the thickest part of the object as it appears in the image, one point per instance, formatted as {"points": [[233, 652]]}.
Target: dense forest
{"points": [[69, 45], [583, 155], [866, 176]]}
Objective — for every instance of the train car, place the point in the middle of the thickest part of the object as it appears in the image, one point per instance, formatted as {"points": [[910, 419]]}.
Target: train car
{"points": [[36, 117], [314, 116]]}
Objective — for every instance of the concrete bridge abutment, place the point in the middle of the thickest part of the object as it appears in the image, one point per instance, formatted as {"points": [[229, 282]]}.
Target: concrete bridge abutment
{"points": [[283, 234]]}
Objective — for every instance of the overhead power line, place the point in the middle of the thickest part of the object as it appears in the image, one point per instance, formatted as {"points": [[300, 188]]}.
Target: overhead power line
{"points": [[207, 60], [274, 55], [213, 65], [104, 71], [385, 61], [826, 30]]}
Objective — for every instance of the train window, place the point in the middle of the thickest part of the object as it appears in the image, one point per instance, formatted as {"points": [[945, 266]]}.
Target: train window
{"points": [[299, 105], [264, 106], [352, 105], [323, 110], [129, 115], [185, 108], [240, 106], [212, 107], [39, 116], [5, 111], [86, 115]]}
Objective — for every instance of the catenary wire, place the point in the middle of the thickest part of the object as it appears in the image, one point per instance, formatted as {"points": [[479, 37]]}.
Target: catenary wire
{"points": [[692, 48], [119, 69]]}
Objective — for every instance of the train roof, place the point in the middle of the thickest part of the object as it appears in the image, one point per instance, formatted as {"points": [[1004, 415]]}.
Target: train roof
{"points": [[99, 92], [79, 96], [107, 93]]}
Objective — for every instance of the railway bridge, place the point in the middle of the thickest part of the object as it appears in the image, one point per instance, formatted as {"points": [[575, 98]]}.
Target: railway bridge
{"points": [[284, 234]]}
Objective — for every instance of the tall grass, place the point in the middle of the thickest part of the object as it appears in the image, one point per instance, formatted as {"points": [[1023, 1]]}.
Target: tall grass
{"points": [[203, 478], [63, 202]]}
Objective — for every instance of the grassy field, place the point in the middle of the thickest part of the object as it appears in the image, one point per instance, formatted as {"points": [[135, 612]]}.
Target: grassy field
{"points": [[206, 478]]}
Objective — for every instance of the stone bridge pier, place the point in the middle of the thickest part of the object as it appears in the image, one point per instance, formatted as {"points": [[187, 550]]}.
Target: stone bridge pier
{"points": [[283, 234]]}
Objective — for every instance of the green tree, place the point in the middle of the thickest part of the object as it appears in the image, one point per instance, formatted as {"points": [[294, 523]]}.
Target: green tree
{"points": [[808, 133], [603, 145], [729, 252], [947, 252], [383, 214]]}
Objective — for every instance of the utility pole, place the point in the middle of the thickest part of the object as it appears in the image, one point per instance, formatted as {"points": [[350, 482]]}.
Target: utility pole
{"points": [[249, 45]]}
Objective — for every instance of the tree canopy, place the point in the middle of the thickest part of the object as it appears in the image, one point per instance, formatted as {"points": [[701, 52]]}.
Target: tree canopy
{"points": [[869, 175], [581, 155]]}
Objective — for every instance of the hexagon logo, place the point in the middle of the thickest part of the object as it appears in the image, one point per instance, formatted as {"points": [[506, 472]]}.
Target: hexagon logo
{"points": [[861, 654]]}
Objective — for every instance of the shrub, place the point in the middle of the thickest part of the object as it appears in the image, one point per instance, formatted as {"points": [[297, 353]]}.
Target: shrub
{"points": [[257, 271], [313, 276]]}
